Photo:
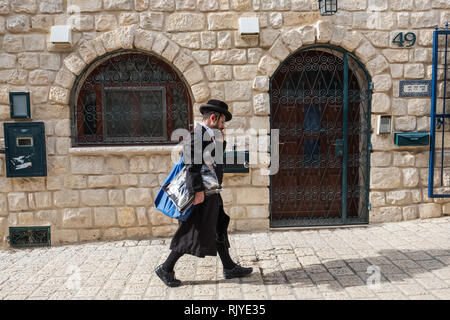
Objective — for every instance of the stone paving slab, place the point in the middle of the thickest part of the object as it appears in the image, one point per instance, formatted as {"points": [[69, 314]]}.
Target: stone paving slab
{"points": [[391, 261]]}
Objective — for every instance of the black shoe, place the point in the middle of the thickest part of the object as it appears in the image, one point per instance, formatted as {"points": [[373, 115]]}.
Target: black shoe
{"points": [[237, 272], [167, 277]]}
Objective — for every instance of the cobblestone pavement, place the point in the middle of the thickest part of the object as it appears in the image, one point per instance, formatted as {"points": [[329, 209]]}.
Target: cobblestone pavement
{"points": [[411, 260]]}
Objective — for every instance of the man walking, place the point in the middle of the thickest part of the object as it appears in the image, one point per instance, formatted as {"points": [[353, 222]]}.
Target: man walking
{"points": [[204, 233]]}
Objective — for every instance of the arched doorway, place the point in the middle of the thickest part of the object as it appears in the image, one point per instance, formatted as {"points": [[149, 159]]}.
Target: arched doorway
{"points": [[320, 102]]}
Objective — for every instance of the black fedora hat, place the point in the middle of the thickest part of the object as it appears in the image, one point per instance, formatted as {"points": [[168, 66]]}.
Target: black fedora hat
{"points": [[218, 106]]}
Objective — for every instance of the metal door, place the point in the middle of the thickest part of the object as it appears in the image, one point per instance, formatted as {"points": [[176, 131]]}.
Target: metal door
{"points": [[320, 102]]}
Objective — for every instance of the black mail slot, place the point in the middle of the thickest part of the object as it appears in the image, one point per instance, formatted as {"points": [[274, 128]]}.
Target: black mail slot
{"points": [[412, 138], [236, 162]]}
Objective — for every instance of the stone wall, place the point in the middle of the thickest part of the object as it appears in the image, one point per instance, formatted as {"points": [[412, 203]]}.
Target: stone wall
{"points": [[107, 193]]}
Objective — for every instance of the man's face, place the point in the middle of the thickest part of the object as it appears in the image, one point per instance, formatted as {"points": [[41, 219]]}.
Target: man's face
{"points": [[217, 123]]}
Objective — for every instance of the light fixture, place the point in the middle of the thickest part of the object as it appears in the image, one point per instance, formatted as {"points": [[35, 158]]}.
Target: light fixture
{"points": [[384, 124], [328, 7], [19, 103], [248, 26], [61, 35]]}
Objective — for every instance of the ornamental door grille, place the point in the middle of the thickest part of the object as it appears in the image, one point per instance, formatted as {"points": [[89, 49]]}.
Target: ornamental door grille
{"points": [[320, 102]]}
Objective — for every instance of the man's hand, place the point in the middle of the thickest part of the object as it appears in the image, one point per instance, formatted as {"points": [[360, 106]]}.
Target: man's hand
{"points": [[199, 197]]}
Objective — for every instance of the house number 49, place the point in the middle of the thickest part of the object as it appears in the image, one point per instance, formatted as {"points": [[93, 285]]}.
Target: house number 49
{"points": [[408, 38]]}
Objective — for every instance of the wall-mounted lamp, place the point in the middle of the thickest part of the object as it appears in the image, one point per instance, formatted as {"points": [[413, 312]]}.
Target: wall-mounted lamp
{"points": [[19, 103], [328, 7], [248, 26]]}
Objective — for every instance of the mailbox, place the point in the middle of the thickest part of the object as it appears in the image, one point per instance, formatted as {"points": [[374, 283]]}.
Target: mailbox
{"points": [[412, 138], [236, 162], [25, 149]]}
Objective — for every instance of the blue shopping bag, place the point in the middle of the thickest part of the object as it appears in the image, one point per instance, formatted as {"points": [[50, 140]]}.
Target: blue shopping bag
{"points": [[164, 203]]}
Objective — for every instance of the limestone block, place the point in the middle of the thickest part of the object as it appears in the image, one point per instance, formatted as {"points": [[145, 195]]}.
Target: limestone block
{"points": [[81, 22], [279, 50], [128, 180], [63, 145], [126, 216], [261, 103], [117, 4], [47, 217], [4, 7], [261, 83], [381, 103], [94, 197], [385, 214], [51, 6], [103, 181], [28, 61], [252, 224], [385, 178], [398, 197], [104, 217], [157, 218], [238, 90], [128, 18], [414, 71], [247, 72], [138, 233], [366, 51], [59, 95], [202, 56], [164, 231], [224, 40], [410, 213], [114, 233], [252, 196], [25, 218], [396, 55], [351, 41], [141, 213], [116, 197], [105, 22], [193, 75], [40, 77], [222, 21], [89, 235], [186, 22], [111, 41], [170, 51], [18, 24], [377, 65], [430, 210], [183, 61], [77, 218], [267, 37], [162, 5], [143, 40], [404, 159], [308, 34], [17, 201], [84, 5], [407, 123], [232, 56], [201, 92], [419, 107], [377, 199], [382, 82], [138, 164], [159, 164], [13, 43], [24, 6], [141, 5], [189, 40], [410, 177], [268, 65], [41, 23], [116, 164], [426, 19], [293, 39], [87, 165], [324, 31], [381, 159], [75, 182], [150, 180], [74, 63], [3, 205], [138, 196]]}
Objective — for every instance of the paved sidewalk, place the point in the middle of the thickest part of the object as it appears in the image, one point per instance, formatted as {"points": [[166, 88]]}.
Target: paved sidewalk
{"points": [[410, 259]]}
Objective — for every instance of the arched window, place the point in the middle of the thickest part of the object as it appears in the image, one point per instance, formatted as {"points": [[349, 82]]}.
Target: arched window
{"points": [[130, 98]]}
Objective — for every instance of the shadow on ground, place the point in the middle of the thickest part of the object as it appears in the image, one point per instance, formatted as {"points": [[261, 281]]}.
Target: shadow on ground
{"points": [[388, 266]]}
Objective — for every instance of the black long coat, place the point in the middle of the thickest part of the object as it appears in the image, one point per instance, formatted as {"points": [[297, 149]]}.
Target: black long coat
{"points": [[208, 223]]}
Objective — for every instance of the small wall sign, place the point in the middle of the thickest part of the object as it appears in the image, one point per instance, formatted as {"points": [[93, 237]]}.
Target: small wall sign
{"points": [[415, 88]]}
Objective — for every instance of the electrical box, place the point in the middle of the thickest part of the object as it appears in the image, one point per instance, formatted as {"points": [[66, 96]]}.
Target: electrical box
{"points": [[248, 26], [25, 149], [412, 138], [61, 35], [236, 162]]}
